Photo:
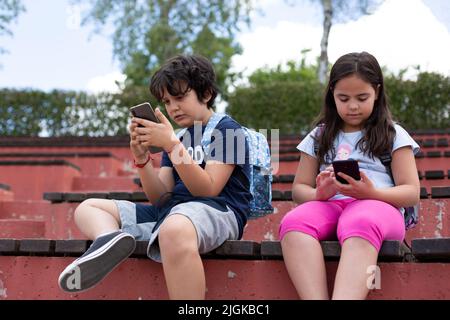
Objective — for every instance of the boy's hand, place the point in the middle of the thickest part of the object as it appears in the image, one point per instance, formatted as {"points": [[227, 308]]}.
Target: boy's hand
{"points": [[138, 150], [325, 187], [156, 134], [358, 189]]}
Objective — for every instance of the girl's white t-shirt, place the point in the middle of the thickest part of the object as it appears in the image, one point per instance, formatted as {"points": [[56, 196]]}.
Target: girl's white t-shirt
{"points": [[345, 148]]}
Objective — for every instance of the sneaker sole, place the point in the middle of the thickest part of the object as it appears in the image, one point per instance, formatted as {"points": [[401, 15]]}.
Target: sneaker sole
{"points": [[86, 272]]}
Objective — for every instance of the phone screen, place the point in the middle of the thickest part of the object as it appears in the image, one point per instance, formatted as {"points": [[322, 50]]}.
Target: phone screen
{"points": [[349, 167], [145, 111]]}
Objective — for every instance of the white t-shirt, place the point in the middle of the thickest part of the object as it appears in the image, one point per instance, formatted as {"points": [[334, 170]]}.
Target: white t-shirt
{"points": [[345, 143]]}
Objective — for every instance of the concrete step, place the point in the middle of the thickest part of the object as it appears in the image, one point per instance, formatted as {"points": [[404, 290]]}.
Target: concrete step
{"points": [[57, 218], [30, 179], [97, 164], [6, 195], [35, 278], [236, 270], [21, 229], [89, 183]]}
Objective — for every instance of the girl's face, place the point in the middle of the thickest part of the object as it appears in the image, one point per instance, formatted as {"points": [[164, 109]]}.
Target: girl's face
{"points": [[186, 109], [354, 100]]}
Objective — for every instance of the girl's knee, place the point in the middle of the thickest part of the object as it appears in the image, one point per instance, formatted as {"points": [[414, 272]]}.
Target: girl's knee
{"points": [[297, 239]]}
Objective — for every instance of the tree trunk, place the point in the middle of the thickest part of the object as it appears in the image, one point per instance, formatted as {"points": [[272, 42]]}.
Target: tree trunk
{"points": [[323, 60]]}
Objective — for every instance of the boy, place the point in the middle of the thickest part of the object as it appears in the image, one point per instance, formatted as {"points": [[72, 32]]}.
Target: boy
{"points": [[199, 199]]}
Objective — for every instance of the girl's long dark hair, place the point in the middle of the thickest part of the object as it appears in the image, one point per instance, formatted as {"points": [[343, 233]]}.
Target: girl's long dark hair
{"points": [[378, 131]]}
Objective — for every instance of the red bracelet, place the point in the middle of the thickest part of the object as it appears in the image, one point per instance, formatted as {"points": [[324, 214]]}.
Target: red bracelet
{"points": [[141, 165]]}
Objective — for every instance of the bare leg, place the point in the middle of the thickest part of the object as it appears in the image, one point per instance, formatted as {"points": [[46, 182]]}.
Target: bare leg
{"points": [[97, 216], [182, 264], [304, 261], [357, 256]]}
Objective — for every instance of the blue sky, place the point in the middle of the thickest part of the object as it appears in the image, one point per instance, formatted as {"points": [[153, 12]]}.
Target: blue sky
{"points": [[50, 50]]}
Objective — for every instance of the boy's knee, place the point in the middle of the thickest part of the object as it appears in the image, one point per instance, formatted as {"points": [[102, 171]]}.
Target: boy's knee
{"points": [[86, 203], [177, 233]]}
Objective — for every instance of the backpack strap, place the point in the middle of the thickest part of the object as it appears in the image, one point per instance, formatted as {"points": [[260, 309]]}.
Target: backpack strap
{"points": [[386, 159], [210, 126]]}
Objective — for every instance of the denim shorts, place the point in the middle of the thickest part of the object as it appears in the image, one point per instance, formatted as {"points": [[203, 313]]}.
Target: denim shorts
{"points": [[213, 226]]}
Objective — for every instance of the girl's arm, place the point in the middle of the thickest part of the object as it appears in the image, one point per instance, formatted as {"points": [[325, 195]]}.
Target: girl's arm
{"points": [[406, 191], [308, 184]]}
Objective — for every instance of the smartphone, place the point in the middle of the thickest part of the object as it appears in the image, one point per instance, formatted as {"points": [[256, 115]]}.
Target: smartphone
{"points": [[349, 167], [145, 111]]}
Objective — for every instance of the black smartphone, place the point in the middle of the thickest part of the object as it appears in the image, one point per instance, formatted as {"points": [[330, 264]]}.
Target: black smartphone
{"points": [[349, 167], [145, 111]]}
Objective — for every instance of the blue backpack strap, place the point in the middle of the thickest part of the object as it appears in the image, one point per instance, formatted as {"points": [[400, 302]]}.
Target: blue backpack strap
{"points": [[210, 126], [259, 151]]}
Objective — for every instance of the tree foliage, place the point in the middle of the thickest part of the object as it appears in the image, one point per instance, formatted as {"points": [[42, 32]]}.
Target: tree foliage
{"points": [[9, 11], [146, 33]]}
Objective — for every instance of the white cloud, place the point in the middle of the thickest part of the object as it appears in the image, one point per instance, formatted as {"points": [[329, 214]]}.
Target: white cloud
{"points": [[272, 46], [399, 34], [105, 83]]}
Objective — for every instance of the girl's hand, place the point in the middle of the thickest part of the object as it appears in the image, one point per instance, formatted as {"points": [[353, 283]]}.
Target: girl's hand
{"points": [[325, 187], [156, 134], [362, 189], [137, 149]]}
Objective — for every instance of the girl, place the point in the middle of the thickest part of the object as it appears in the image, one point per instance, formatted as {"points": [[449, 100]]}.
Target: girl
{"points": [[355, 122]]}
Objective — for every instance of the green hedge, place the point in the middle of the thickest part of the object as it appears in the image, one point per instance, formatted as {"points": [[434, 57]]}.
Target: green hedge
{"points": [[62, 113], [288, 106], [275, 99], [424, 103], [292, 105]]}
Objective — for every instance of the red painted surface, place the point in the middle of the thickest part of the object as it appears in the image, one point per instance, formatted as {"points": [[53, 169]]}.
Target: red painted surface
{"points": [[36, 278], [427, 163], [21, 229], [434, 220], [104, 184], [6, 195], [30, 182], [57, 218], [89, 166], [266, 228], [122, 153], [27, 216]]}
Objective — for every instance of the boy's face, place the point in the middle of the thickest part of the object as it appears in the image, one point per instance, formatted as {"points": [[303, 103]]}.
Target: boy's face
{"points": [[184, 110]]}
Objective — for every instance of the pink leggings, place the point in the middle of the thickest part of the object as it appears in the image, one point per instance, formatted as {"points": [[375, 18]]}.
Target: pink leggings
{"points": [[372, 220]]}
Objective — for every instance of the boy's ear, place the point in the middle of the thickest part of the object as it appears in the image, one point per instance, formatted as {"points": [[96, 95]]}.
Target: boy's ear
{"points": [[208, 96]]}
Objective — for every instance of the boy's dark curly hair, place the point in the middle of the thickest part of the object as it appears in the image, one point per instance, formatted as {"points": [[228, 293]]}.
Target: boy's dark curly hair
{"points": [[183, 73]]}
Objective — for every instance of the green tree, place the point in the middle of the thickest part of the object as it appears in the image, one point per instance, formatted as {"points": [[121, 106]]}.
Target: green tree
{"points": [[9, 11], [146, 33]]}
